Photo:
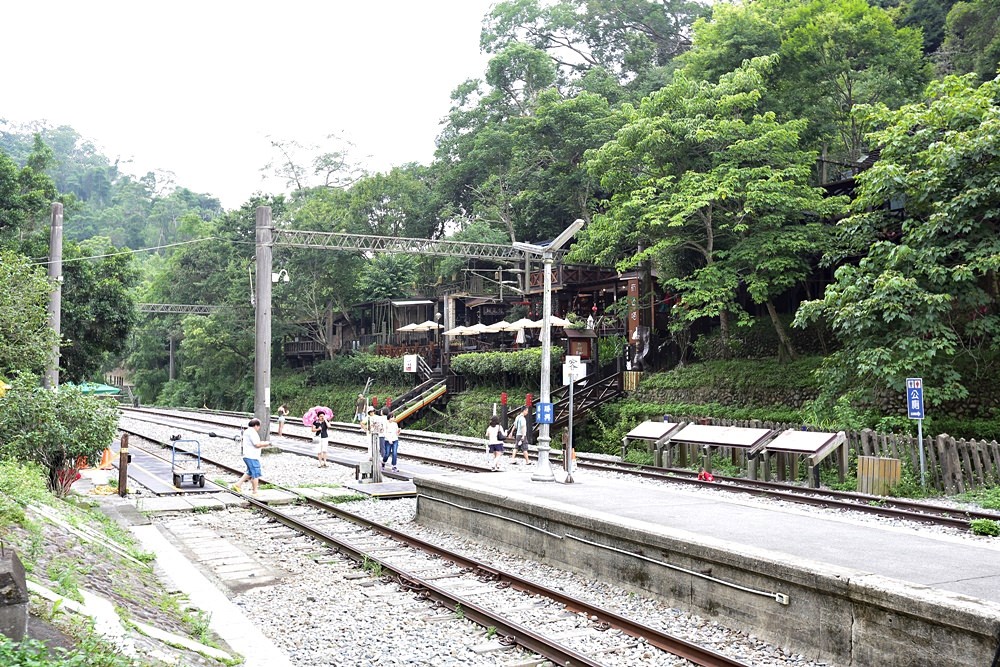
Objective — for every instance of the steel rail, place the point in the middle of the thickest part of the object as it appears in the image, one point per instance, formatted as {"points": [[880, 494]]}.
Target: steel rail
{"points": [[427, 460], [822, 498], [521, 635]]}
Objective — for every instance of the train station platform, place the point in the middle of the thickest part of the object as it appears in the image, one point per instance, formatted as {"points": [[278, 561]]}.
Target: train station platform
{"points": [[820, 585]]}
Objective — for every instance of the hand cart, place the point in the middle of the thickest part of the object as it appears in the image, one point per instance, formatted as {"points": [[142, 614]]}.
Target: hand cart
{"points": [[186, 463]]}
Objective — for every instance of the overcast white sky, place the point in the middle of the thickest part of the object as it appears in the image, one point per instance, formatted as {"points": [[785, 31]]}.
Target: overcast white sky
{"points": [[197, 88]]}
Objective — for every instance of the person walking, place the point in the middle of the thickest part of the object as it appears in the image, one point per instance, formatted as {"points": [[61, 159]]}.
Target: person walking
{"points": [[520, 437], [252, 444], [392, 432], [321, 428], [494, 442], [282, 414], [360, 408]]}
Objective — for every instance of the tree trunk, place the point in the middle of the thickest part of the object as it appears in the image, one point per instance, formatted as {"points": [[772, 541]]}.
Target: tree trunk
{"points": [[727, 353], [785, 343]]}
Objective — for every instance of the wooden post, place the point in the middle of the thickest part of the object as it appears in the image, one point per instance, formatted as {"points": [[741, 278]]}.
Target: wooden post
{"points": [[123, 467]]}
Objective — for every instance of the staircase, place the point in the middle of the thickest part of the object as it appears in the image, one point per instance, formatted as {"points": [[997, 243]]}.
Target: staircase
{"points": [[431, 388], [588, 393]]}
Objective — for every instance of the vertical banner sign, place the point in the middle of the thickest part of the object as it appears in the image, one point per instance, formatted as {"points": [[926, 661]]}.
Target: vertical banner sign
{"points": [[633, 306], [915, 398], [915, 410]]}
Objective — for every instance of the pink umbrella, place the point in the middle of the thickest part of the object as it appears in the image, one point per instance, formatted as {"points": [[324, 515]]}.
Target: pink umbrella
{"points": [[310, 416]]}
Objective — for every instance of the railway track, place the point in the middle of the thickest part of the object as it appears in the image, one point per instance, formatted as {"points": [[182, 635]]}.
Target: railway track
{"points": [[516, 610], [893, 508]]}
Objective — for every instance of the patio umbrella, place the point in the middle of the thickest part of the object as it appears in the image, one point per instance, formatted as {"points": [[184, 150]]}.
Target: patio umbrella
{"points": [[310, 416], [478, 328], [429, 325], [504, 326], [559, 322], [457, 331], [525, 323], [409, 327]]}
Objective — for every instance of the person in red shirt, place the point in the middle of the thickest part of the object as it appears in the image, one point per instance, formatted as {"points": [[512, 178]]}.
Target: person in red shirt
{"points": [[705, 476]]}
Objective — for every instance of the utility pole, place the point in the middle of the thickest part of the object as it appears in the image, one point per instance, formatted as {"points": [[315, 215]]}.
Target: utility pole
{"points": [[51, 379], [262, 345]]}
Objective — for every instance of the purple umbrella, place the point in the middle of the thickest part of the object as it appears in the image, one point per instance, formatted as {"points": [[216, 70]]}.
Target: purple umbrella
{"points": [[310, 416]]}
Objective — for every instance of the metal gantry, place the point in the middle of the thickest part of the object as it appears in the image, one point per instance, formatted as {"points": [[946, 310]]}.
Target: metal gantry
{"points": [[366, 243], [177, 308]]}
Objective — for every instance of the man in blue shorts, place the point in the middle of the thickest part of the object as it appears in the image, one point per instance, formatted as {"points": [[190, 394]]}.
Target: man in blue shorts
{"points": [[252, 444]]}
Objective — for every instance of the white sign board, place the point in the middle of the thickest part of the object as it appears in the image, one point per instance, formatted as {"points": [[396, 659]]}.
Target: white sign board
{"points": [[573, 369], [409, 363]]}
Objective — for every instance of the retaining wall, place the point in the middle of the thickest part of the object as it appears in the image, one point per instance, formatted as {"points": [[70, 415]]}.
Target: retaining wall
{"points": [[832, 613]]}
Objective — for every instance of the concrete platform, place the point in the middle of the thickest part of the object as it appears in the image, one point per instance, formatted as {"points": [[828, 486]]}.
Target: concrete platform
{"points": [[859, 594]]}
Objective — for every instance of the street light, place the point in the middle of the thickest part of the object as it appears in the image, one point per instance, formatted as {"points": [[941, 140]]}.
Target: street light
{"points": [[543, 467], [437, 337]]}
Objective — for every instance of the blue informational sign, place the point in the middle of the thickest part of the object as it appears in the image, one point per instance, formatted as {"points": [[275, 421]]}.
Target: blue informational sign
{"points": [[544, 413], [915, 398]]}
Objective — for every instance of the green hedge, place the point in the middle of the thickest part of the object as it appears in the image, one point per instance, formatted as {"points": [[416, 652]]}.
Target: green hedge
{"points": [[350, 369], [737, 374], [504, 368]]}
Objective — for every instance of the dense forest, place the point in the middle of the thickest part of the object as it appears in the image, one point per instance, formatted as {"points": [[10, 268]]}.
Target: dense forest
{"points": [[698, 141]]}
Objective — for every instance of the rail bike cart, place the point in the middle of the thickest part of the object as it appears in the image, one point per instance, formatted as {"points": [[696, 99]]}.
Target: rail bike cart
{"points": [[185, 463]]}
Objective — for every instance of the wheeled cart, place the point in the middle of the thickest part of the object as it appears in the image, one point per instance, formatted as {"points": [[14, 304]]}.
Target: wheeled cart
{"points": [[185, 463]]}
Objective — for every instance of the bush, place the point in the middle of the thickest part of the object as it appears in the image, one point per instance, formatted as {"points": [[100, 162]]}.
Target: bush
{"points": [[54, 429], [522, 367], [355, 369], [20, 483], [987, 527], [766, 374]]}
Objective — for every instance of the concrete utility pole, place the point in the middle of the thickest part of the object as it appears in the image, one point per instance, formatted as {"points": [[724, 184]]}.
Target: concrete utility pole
{"points": [[262, 346], [51, 379], [543, 467]]}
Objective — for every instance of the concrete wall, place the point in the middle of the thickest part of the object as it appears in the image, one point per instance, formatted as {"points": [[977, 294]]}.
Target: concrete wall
{"points": [[835, 614], [13, 596]]}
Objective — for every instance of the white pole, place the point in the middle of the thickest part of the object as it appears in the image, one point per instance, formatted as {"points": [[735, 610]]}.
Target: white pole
{"points": [[568, 453], [920, 446], [543, 468]]}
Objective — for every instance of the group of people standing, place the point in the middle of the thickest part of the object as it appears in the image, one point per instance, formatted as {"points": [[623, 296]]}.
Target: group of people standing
{"points": [[383, 425], [496, 436]]}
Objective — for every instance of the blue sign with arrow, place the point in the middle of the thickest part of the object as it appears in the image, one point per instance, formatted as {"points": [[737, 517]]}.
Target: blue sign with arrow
{"points": [[915, 398]]}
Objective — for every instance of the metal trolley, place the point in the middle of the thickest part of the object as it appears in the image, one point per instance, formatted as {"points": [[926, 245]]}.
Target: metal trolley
{"points": [[185, 463]]}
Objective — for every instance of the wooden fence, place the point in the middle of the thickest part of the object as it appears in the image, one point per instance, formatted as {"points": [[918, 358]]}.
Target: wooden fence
{"points": [[952, 465]]}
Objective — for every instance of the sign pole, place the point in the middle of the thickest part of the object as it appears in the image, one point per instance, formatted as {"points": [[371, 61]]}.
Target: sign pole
{"points": [[915, 410], [920, 446]]}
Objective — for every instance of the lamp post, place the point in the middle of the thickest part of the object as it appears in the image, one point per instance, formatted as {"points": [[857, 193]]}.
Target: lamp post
{"points": [[437, 338], [543, 467]]}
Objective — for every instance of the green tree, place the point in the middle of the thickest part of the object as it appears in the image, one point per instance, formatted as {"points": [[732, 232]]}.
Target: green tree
{"points": [[922, 300], [388, 276], [833, 55], [25, 192], [972, 41], [99, 310], [55, 429], [714, 193], [26, 339], [627, 39]]}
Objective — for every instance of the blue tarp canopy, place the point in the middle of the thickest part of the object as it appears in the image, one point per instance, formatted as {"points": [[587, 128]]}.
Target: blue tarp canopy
{"points": [[97, 388]]}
